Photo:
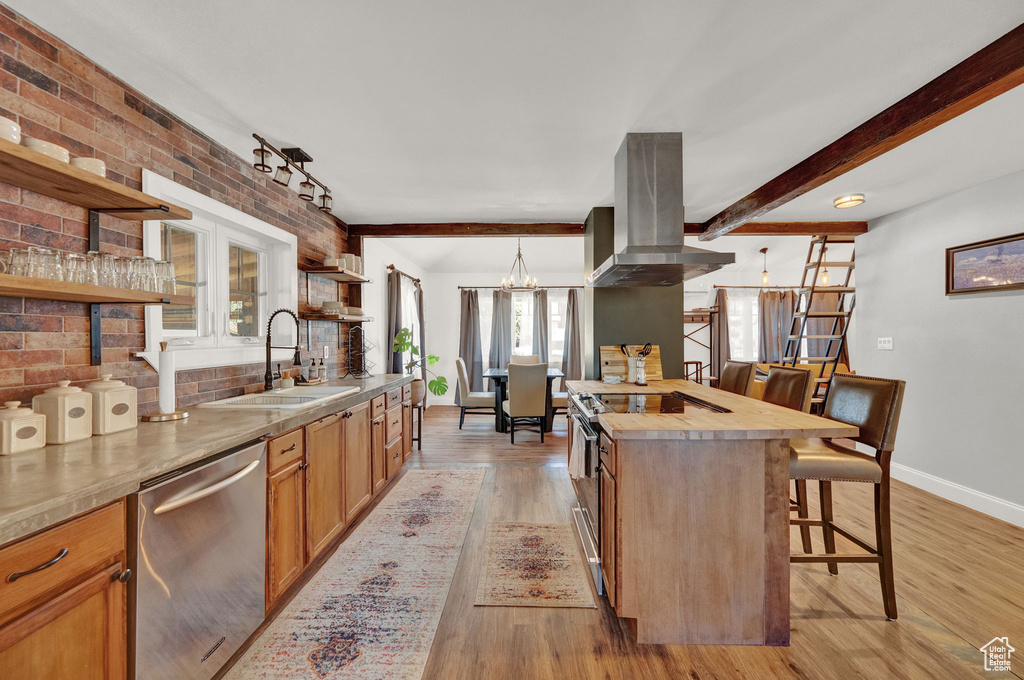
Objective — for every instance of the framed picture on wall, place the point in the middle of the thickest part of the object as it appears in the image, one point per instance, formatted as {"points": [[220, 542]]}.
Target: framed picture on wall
{"points": [[995, 264]]}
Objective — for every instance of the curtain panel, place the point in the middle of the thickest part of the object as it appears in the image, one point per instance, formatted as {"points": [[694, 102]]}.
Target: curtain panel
{"points": [[572, 352], [394, 322], [775, 315], [470, 341], [540, 326], [423, 338], [501, 330], [720, 351]]}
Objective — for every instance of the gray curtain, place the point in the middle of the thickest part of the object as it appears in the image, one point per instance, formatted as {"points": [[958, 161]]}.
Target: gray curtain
{"points": [[501, 330], [423, 337], [394, 321], [470, 342], [817, 347], [572, 348], [540, 325], [775, 315], [720, 352]]}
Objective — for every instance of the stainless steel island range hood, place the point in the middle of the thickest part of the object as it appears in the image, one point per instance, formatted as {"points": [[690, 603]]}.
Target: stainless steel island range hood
{"points": [[649, 248]]}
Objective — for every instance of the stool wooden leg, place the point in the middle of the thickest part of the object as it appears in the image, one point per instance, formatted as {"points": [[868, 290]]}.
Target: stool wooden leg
{"points": [[825, 493], [803, 513], [883, 541], [419, 428]]}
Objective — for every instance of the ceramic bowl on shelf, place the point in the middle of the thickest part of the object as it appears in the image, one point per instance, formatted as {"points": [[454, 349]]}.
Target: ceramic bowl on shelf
{"points": [[93, 165], [10, 130], [332, 307], [332, 262], [47, 148]]}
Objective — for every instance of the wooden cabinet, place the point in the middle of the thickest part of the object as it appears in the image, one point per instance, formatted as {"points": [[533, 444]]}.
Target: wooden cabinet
{"points": [[378, 444], [407, 429], [393, 453], [68, 619], [325, 503], [608, 535], [286, 527], [358, 473]]}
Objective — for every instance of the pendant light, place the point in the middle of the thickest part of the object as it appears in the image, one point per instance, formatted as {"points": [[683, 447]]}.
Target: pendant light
{"points": [[283, 175], [824, 279], [261, 156], [326, 201], [518, 276], [765, 278], [306, 190]]}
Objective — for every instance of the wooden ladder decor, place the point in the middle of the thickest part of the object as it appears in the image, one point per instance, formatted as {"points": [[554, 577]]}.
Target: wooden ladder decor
{"points": [[796, 348]]}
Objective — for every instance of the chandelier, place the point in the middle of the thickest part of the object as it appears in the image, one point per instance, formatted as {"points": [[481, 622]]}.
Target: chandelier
{"points": [[518, 276]]}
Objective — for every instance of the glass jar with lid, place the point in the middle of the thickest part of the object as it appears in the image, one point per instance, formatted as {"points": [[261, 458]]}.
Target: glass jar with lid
{"points": [[114, 405], [21, 429], [68, 412]]}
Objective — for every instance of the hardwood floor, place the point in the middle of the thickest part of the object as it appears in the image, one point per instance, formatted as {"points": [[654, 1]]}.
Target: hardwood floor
{"points": [[959, 578]]}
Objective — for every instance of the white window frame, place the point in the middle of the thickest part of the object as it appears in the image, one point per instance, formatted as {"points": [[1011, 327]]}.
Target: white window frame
{"points": [[221, 225]]}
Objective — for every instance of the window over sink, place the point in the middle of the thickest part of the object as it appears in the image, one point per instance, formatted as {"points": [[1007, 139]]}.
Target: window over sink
{"points": [[236, 267]]}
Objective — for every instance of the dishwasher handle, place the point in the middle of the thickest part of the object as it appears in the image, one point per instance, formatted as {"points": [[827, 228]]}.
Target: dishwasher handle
{"points": [[208, 491]]}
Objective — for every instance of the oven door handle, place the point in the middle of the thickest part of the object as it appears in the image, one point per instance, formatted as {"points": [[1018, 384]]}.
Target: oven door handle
{"points": [[588, 432], [208, 491]]}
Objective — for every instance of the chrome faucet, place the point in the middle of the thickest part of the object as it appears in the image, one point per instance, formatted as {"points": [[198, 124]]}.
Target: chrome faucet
{"points": [[268, 377]]}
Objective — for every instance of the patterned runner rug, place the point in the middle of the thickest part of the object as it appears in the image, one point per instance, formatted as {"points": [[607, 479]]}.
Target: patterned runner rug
{"points": [[373, 609], [533, 565]]}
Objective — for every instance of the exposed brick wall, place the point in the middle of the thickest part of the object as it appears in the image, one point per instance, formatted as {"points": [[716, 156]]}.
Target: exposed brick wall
{"points": [[58, 95]]}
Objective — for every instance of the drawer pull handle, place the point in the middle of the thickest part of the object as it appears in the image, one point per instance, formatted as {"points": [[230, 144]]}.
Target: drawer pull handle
{"points": [[122, 576], [18, 574], [290, 448]]}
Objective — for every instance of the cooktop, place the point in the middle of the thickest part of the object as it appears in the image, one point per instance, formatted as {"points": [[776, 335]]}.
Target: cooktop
{"points": [[676, 402]]}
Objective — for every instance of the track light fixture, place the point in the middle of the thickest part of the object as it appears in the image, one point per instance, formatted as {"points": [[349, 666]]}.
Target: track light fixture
{"points": [[296, 158]]}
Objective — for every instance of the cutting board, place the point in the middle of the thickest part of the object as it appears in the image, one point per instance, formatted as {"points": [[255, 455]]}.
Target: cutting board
{"points": [[613, 362]]}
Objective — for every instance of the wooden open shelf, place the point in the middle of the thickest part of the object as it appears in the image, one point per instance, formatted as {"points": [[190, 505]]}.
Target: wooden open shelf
{"points": [[340, 318], [336, 274], [37, 172], [47, 289]]}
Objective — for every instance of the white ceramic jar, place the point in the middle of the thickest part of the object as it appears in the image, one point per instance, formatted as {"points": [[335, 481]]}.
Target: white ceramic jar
{"points": [[114, 405], [68, 412], [21, 429]]}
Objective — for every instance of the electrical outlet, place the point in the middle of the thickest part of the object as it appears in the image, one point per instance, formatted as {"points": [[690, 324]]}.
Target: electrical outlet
{"points": [[327, 351], [885, 344]]}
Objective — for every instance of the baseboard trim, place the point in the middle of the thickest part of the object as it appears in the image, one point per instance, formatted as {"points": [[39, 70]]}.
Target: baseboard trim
{"points": [[976, 500]]}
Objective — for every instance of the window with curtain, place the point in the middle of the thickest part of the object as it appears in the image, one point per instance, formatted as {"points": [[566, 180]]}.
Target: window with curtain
{"points": [[744, 331], [522, 323], [558, 299], [410, 317]]}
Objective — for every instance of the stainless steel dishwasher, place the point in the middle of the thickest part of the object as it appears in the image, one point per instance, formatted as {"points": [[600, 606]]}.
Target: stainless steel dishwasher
{"points": [[199, 557]]}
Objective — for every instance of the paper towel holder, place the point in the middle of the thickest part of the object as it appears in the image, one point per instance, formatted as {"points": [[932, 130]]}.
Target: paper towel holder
{"points": [[160, 417]]}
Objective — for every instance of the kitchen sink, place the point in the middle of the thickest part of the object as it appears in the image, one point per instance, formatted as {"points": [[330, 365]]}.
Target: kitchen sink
{"points": [[293, 397]]}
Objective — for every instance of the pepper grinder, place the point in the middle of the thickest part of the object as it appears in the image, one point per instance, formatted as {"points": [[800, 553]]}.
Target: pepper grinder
{"points": [[641, 371]]}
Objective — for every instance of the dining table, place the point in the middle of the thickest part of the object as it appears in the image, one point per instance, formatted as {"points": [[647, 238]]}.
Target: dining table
{"points": [[500, 378]]}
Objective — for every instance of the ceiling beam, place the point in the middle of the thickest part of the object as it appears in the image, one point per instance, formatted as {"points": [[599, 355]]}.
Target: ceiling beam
{"points": [[789, 228], [467, 229], [987, 73]]}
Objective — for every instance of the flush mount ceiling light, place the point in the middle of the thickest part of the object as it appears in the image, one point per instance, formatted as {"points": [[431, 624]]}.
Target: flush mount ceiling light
{"points": [[765, 278], [849, 201], [518, 276], [296, 158]]}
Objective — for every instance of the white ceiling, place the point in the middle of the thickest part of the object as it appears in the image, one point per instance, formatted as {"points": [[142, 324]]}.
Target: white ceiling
{"points": [[492, 110], [492, 254]]}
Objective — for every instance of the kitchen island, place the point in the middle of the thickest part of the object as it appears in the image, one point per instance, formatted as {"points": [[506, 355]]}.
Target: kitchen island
{"points": [[694, 514]]}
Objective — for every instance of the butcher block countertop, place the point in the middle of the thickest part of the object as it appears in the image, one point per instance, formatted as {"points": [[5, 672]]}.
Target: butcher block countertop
{"points": [[750, 418]]}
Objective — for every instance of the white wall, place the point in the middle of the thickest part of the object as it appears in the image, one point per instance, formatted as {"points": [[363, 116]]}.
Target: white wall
{"points": [[961, 355], [377, 255]]}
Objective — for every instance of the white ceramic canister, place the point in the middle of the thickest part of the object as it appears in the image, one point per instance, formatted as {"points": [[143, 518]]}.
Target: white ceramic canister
{"points": [[21, 429], [68, 412], [114, 405]]}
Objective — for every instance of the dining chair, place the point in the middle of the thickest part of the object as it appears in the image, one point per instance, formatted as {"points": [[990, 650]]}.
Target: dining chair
{"points": [[527, 398], [793, 388], [737, 377], [873, 405], [473, 402], [524, 359]]}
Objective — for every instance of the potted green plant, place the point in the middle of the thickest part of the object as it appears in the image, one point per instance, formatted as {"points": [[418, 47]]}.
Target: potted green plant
{"points": [[438, 385]]}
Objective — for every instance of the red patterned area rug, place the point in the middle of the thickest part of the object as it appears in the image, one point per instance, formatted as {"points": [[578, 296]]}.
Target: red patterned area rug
{"points": [[373, 609], [533, 565]]}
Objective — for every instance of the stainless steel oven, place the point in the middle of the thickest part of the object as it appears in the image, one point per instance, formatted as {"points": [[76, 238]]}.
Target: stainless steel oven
{"points": [[587, 511]]}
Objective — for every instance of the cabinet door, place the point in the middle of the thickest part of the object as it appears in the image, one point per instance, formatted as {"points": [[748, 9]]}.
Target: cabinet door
{"points": [[377, 446], [286, 528], [78, 634], [608, 534], [407, 429], [325, 504], [358, 460]]}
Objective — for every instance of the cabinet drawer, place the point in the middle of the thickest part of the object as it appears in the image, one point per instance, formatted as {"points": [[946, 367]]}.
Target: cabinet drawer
{"points": [[406, 392], [609, 457], [393, 424], [393, 454], [394, 397], [283, 450], [377, 406], [92, 541]]}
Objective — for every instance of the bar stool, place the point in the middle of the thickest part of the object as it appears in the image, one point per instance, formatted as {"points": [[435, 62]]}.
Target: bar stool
{"points": [[737, 377], [873, 405], [793, 388]]}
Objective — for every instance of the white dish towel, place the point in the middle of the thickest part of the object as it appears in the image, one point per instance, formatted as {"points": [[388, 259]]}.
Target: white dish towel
{"points": [[578, 453]]}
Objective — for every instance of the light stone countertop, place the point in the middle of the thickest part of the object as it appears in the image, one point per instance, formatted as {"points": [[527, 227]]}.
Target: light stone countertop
{"points": [[43, 487]]}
